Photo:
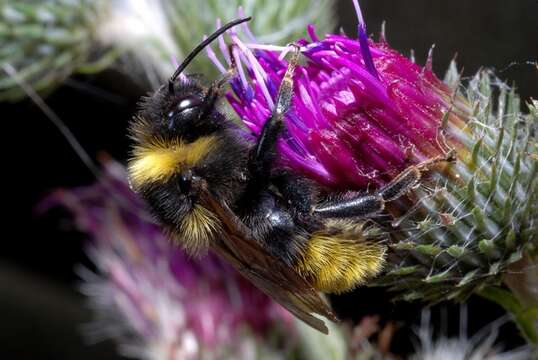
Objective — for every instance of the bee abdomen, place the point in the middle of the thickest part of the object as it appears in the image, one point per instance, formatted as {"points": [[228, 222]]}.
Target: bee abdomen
{"points": [[337, 259]]}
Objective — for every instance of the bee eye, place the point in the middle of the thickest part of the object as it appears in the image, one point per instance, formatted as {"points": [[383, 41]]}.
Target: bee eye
{"points": [[185, 109], [186, 104]]}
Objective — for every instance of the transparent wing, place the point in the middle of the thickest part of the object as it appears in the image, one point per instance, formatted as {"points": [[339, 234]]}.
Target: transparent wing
{"points": [[278, 280]]}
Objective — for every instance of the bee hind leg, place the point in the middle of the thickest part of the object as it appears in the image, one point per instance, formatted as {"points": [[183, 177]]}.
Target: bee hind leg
{"points": [[410, 178], [367, 205]]}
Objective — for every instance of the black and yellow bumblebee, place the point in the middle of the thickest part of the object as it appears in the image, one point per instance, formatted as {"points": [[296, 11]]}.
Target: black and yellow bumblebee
{"points": [[212, 189]]}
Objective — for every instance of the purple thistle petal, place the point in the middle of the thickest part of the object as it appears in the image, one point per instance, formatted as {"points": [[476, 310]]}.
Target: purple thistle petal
{"points": [[363, 40], [361, 111], [246, 29], [213, 57], [237, 60], [312, 33], [222, 45]]}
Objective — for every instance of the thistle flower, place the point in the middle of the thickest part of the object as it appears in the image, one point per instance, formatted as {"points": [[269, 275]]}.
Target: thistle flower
{"points": [[479, 346], [47, 41], [150, 297], [362, 112]]}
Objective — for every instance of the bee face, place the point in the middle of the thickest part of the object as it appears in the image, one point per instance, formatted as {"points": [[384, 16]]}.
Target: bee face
{"points": [[169, 136], [177, 113], [167, 173], [186, 110], [181, 114], [182, 146]]}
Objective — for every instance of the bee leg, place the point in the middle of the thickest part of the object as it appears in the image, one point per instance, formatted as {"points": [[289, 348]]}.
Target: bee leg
{"points": [[410, 178], [215, 91], [264, 151], [367, 205], [361, 206]]}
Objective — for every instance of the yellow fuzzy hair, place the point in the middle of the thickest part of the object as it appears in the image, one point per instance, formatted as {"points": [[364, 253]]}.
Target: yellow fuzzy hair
{"points": [[196, 230], [339, 258], [158, 159]]}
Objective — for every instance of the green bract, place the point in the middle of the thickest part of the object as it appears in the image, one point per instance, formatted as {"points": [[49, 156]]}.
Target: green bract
{"points": [[480, 215], [47, 41]]}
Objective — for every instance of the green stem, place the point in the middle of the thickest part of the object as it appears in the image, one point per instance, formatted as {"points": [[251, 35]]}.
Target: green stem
{"points": [[521, 300]]}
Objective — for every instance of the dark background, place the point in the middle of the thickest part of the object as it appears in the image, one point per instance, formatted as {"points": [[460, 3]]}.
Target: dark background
{"points": [[40, 309]]}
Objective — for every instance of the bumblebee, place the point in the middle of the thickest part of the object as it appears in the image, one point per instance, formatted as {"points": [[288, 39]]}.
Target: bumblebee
{"points": [[212, 189]]}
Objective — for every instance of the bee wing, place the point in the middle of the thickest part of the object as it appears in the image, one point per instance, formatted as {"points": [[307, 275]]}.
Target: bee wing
{"points": [[278, 280]]}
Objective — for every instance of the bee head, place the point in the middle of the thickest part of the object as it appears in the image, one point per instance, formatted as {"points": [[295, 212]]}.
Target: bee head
{"points": [[186, 103], [177, 127], [183, 112], [186, 112], [168, 168], [182, 147], [173, 133]]}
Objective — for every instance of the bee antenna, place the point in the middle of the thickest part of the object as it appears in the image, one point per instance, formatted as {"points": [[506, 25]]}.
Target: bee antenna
{"points": [[201, 46]]}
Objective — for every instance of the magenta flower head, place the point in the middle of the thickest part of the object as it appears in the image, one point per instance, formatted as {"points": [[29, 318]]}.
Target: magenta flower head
{"points": [[361, 110], [149, 296]]}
